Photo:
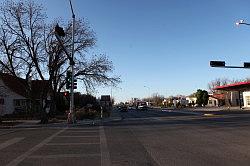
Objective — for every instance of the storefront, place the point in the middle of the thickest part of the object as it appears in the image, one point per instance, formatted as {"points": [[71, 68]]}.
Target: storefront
{"points": [[237, 94]]}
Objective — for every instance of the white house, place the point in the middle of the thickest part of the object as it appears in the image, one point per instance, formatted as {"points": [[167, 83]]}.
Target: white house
{"points": [[14, 95], [212, 102], [9, 100], [191, 99]]}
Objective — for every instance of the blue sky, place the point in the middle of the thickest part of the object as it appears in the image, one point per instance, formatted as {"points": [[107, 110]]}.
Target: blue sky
{"points": [[164, 46]]}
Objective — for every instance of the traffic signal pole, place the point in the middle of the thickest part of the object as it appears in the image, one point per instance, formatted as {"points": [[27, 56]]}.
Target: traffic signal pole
{"points": [[59, 32], [71, 118]]}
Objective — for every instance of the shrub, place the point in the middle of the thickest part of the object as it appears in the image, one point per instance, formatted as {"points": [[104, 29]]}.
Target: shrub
{"points": [[86, 114]]}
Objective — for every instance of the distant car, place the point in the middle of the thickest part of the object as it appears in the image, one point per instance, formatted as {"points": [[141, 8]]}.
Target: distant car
{"points": [[130, 107], [142, 106], [123, 108]]}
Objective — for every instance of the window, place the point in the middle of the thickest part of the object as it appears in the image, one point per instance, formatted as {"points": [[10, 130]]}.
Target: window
{"points": [[1, 101], [17, 102], [20, 103], [210, 102]]}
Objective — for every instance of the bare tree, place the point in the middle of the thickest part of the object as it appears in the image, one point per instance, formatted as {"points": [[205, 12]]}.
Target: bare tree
{"points": [[93, 70], [31, 51], [217, 82]]}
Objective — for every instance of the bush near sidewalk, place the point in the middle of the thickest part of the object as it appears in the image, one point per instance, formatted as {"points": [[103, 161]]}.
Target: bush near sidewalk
{"points": [[86, 113], [90, 113]]}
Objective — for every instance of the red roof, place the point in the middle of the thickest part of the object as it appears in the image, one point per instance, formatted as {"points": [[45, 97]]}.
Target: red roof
{"points": [[218, 96], [239, 86]]}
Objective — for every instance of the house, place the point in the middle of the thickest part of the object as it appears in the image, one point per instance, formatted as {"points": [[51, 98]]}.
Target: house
{"points": [[175, 101], [191, 100], [216, 100], [15, 94], [212, 101]]}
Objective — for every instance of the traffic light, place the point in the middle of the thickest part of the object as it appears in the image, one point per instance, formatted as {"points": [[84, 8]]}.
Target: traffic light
{"points": [[75, 83], [69, 82], [217, 63], [68, 79], [66, 93], [59, 30], [246, 64]]}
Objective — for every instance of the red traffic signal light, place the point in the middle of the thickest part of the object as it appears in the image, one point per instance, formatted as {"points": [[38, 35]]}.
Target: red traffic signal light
{"points": [[66, 94]]}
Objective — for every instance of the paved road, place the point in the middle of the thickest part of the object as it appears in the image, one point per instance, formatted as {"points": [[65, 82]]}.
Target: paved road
{"points": [[142, 138]]}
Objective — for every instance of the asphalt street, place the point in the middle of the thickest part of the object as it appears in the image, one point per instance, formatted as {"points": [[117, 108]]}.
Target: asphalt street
{"points": [[153, 138]]}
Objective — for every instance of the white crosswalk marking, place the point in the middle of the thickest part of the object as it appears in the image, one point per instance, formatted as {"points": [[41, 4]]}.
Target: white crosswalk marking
{"points": [[10, 142], [19, 159], [105, 156], [63, 156], [78, 136]]}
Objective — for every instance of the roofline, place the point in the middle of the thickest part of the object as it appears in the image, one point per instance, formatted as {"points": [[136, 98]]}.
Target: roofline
{"points": [[231, 85]]}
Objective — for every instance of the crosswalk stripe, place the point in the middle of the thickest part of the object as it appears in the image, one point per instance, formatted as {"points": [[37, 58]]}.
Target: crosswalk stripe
{"points": [[63, 156], [10, 142], [71, 144], [105, 155], [87, 131], [19, 159], [78, 136]]}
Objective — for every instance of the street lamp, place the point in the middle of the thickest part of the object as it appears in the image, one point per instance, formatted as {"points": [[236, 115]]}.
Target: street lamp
{"points": [[149, 94], [222, 64], [241, 22]]}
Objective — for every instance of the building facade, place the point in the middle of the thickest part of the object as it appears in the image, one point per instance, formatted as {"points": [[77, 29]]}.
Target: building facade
{"points": [[15, 97]]}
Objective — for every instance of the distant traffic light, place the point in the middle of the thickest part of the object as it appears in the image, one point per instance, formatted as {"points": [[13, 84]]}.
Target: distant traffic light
{"points": [[68, 79], [246, 64], [217, 63], [59, 30]]}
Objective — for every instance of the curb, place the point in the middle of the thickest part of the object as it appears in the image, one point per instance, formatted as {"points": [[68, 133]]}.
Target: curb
{"points": [[64, 124]]}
